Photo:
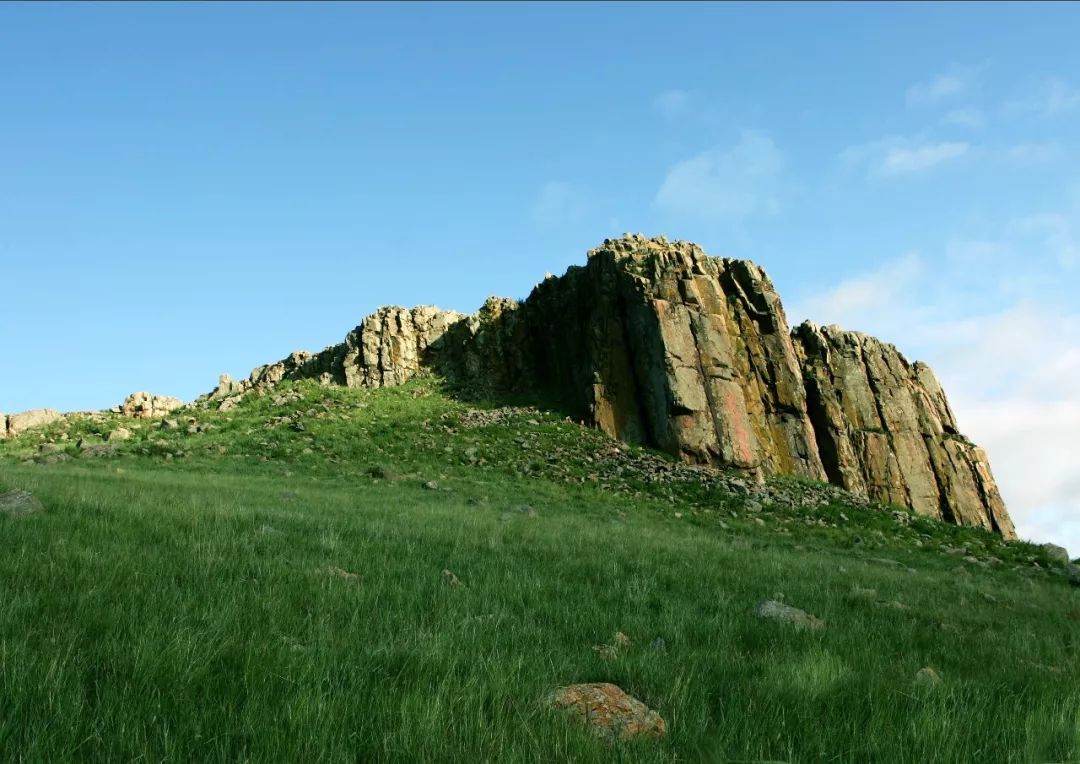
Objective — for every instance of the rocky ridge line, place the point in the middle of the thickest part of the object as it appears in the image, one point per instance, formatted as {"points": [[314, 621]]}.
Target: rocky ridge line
{"points": [[657, 343]]}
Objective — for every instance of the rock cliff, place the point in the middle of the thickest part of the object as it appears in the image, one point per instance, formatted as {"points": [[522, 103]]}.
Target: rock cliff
{"points": [[657, 343]]}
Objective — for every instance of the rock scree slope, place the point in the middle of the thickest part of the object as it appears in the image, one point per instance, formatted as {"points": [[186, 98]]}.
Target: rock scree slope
{"points": [[657, 343]]}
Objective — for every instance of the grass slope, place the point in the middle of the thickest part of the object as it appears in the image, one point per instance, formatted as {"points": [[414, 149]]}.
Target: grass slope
{"points": [[251, 592]]}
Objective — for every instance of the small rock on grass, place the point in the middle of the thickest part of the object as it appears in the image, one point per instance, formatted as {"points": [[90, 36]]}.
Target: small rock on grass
{"points": [[431, 485], [927, 677], [342, 574], [609, 711], [19, 503], [778, 611], [382, 472]]}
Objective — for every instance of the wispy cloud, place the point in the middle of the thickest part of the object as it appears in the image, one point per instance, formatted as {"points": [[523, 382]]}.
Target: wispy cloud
{"points": [[672, 104], [969, 117], [847, 303], [726, 183], [1034, 153], [1050, 98], [558, 202], [905, 161], [1055, 231], [942, 86], [894, 157]]}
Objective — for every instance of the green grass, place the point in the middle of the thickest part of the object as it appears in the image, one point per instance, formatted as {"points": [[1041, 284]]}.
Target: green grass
{"points": [[183, 609]]}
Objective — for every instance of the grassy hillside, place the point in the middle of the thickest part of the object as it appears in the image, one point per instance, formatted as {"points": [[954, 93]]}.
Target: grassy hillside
{"points": [[271, 586]]}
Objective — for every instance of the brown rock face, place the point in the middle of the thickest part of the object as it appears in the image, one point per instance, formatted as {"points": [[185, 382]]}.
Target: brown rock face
{"points": [[657, 343], [885, 430]]}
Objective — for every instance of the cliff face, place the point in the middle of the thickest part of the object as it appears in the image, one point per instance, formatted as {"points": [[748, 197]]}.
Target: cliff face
{"points": [[657, 343], [885, 429]]}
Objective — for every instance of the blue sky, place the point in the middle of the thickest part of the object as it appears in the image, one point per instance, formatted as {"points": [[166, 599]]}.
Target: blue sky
{"points": [[190, 189]]}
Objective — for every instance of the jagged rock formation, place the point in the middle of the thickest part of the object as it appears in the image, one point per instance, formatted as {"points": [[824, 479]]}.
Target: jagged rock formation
{"points": [[388, 348], [142, 405], [12, 425], [885, 429], [657, 343]]}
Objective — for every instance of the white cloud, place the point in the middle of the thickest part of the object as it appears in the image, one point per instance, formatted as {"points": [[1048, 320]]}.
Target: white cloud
{"points": [[943, 86], [558, 202], [849, 301], [672, 104], [1054, 231], [898, 156], [972, 118], [974, 251], [1034, 153], [1049, 98], [726, 183], [905, 161]]}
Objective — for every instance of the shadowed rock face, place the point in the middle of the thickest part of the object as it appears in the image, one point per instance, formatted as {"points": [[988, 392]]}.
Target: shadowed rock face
{"points": [[657, 343]]}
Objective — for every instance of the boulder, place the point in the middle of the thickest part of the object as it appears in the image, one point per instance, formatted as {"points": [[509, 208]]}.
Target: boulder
{"points": [[19, 503], [1056, 553], [608, 710], [778, 611], [927, 677], [143, 405], [117, 435], [14, 424]]}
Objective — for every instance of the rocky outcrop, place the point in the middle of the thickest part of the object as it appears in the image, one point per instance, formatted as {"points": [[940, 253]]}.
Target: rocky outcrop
{"points": [[657, 343], [142, 405], [387, 348], [884, 429], [12, 425]]}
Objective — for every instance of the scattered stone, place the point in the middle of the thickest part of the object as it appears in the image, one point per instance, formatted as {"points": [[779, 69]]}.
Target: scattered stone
{"points": [[19, 503], [1072, 571], [1056, 553], [143, 405], [382, 472], [778, 611], [13, 425], [927, 677], [609, 711], [621, 640], [119, 434], [524, 509], [48, 448], [97, 451], [336, 572], [860, 594], [451, 579], [169, 424], [431, 485], [228, 404]]}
